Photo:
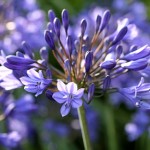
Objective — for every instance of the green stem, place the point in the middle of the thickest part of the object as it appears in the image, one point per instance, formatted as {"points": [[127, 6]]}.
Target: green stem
{"points": [[84, 129], [110, 127]]}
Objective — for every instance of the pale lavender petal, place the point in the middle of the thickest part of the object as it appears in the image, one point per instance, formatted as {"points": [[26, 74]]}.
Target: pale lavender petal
{"points": [[41, 74], [39, 92], [79, 93], [33, 74], [65, 109], [46, 82], [76, 103], [26, 80], [59, 97], [4, 72], [10, 82], [144, 105], [61, 86], [71, 88], [31, 88]]}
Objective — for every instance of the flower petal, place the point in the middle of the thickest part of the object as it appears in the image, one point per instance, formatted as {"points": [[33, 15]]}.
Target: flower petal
{"points": [[31, 88], [26, 80], [65, 109], [41, 74], [39, 91], [76, 103], [79, 93], [71, 88], [61, 86], [33, 74], [59, 97]]}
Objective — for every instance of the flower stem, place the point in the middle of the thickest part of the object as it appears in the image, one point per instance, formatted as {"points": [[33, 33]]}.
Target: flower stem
{"points": [[84, 129]]}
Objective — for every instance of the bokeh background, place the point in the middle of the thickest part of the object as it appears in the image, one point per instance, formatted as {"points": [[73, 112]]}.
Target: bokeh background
{"points": [[107, 120]]}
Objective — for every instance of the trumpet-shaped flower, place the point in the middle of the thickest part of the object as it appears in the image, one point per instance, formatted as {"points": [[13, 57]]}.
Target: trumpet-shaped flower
{"points": [[35, 82], [69, 95], [138, 95]]}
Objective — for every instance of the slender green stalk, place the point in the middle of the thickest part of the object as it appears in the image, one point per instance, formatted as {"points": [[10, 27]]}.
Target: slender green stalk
{"points": [[110, 127], [84, 129]]}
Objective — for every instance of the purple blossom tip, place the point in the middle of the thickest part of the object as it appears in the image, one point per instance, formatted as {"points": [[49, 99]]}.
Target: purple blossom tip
{"points": [[49, 37], [106, 83], [83, 26], [98, 22], [65, 19], [119, 50], [105, 19], [51, 15], [27, 49], [88, 60], [15, 60], [120, 35], [108, 64], [57, 26]]}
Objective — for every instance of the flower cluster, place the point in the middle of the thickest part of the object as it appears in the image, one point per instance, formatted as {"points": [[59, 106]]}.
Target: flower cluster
{"points": [[90, 62]]}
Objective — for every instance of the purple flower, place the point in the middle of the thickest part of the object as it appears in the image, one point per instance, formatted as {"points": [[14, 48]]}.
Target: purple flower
{"points": [[8, 80], [69, 95], [138, 125], [23, 105], [35, 82], [138, 95], [11, 139]]}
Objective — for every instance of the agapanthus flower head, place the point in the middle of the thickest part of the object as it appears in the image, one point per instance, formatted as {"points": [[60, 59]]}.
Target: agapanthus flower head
{"points": [[69, 95], [89, 61], [93, 58]]}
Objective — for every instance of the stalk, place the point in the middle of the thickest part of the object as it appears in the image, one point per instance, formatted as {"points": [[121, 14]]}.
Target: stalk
{"points": [[84, 128]]}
